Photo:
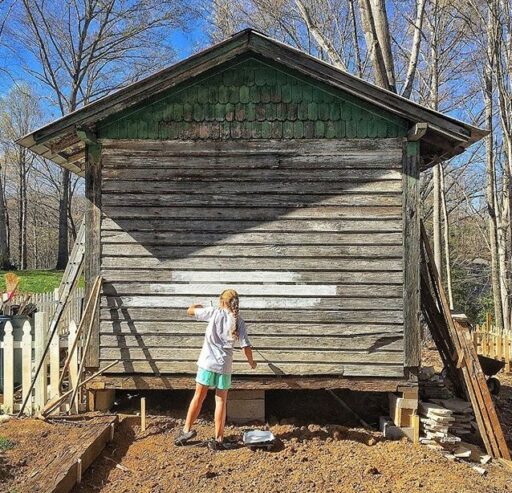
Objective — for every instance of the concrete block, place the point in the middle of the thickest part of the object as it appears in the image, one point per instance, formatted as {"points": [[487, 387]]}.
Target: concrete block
{"points": [[101, 400], [245, 406]]}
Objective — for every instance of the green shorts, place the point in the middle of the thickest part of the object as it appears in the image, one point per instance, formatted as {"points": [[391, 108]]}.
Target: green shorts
{"points": [[221, 381]]}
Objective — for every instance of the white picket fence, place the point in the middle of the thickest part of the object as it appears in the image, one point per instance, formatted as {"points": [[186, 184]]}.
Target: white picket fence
{"points": [[47, 302], [28, 350]]}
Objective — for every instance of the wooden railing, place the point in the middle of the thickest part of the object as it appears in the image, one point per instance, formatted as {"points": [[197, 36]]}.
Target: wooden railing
{"points": [[494, 343], [22, 348]]}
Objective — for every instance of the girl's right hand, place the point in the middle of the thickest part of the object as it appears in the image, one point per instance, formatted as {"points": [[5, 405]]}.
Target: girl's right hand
{"points": [[253, 364]]}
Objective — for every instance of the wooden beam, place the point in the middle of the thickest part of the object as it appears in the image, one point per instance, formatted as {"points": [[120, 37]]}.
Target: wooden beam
{"points": [[186, 382], [93, 242], [417, 132], [411, 221], [86, 135]]}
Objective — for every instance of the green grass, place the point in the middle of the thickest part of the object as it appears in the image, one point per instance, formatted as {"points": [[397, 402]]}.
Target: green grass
{"points": [[5, 444], [35, 281]]}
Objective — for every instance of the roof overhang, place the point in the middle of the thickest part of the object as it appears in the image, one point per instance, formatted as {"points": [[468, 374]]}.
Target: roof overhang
{"points": [[60, 141]]}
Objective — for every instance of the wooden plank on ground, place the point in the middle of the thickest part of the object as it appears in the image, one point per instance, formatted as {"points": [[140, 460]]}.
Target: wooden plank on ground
{"points": [[60, 474]]}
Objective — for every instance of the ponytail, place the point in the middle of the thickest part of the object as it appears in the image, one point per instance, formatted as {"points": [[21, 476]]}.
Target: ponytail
{"points": [[230, 297]]}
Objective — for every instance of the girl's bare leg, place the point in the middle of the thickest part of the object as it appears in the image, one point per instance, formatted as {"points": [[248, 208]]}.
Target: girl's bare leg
{"points": [[221, 398], [195, 406]]}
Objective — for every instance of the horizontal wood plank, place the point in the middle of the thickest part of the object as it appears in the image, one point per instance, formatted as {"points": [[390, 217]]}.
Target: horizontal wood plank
{"points": [[247, 251], [112, 311], [304, 290], [276, 356], [248, 147], [279, 264], [257, 212], [255, 276], [281, 187], [269, 302], [195, 176], [151, 367], [191, 344], [235, 199], [198, 238], [161, 330], [235, 226]]}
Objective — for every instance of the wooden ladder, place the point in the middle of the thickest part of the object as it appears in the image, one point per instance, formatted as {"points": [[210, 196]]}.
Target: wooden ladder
{"points": [[70, 277], [68, 283]]}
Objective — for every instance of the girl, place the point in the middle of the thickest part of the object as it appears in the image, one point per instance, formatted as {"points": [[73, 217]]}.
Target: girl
{"points": [[215, 362]]}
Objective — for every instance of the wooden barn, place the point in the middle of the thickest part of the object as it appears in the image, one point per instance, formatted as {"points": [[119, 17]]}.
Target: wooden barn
{"points": [[255, 166]]}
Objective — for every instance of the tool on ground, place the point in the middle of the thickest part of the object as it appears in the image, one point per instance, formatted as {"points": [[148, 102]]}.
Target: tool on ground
{"points": [[259, 439]]}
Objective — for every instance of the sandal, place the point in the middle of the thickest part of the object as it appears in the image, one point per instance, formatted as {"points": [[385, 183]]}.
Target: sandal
{"points": [[184, 437]]}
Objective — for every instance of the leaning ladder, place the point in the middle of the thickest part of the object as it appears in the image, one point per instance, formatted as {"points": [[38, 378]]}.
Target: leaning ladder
{"points": [[68, 283]]}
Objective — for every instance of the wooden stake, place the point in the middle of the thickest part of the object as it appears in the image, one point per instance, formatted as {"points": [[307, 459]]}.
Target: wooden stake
{"points": [[143, 414]]}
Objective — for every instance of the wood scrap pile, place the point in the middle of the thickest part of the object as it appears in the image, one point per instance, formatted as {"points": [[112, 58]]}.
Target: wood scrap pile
{"points": [[435, 423], [462, 414]]}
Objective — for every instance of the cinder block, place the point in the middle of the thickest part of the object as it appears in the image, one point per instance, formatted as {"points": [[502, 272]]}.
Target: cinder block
{"points": [[101, 400], [246, 405]]}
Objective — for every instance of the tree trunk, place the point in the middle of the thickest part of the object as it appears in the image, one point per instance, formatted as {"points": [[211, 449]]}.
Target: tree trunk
{"points": [[5, 262], [490, 189], [62, 253]]}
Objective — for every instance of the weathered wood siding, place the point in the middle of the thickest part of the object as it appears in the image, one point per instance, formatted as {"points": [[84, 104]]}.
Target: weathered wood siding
{"points": [[308, 231]]}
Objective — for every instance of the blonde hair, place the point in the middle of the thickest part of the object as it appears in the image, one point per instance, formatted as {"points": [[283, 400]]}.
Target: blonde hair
{"points": [[230, 298]]}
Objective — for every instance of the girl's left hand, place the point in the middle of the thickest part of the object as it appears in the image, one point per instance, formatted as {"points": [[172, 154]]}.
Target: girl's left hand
{"points": [[253, 364]]}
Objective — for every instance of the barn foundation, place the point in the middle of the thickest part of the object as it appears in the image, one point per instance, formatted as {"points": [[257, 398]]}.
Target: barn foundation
{"points": [[100, 400]]}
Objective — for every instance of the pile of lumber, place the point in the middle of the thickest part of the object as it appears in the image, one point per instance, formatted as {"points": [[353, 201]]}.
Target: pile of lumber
{"points": [[432, 385], [462, 413], [455, 344], [435, 423]]}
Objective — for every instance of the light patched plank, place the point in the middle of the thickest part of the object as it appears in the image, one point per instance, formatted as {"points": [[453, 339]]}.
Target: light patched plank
{"points": [[234, 199], [256, 187], [305, 290], [247, 251], [151, 367], [131, 330], [198, 238], [255, 276], [237, 263], [111, 310], [258, 213], [300, 355], [251, 302], [272, 346], [234, 226]]}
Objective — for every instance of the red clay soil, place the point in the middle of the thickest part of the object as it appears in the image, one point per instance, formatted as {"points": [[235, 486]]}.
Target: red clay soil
{"points": [[306, 459], [35, 444]]}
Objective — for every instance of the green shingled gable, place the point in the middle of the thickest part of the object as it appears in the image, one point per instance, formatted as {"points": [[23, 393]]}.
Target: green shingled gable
{"points": [[252, 99]]}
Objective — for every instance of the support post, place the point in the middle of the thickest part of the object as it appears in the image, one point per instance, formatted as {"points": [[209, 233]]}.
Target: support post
{"points": [[411, 235], [26, 364], [73, 363], [93, 240], [143, 414], [41, 326], [54, 366], [8, 405]]}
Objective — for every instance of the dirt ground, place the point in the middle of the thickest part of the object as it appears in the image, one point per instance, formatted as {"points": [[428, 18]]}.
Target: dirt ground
{"points": [[309, 457]]}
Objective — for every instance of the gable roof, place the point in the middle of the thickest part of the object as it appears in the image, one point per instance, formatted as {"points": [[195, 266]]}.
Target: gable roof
{"points": [[445, 136]]}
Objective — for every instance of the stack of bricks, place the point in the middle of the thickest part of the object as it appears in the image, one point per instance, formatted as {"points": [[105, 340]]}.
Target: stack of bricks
{"points": [[403, 410]]}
